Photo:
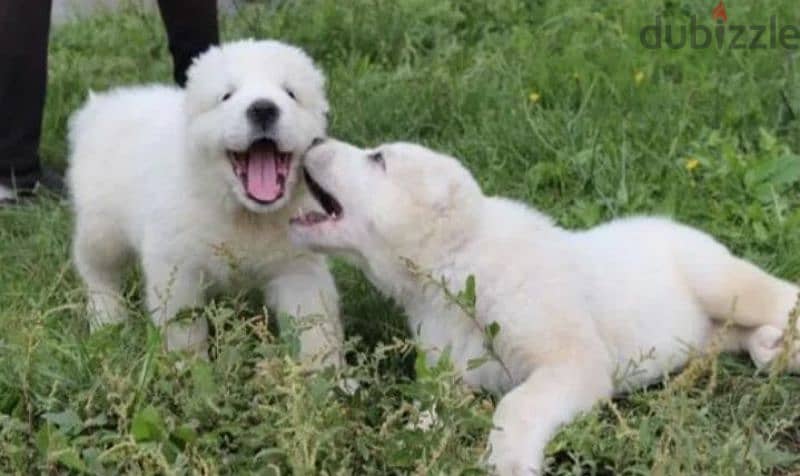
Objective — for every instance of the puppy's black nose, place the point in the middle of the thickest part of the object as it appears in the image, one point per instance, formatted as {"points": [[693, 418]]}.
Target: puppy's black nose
{"points": [[263, 113]]}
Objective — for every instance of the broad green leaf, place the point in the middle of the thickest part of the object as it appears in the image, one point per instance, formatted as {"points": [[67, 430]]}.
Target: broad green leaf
{"points": [[185, 433], [67, 421], [469, 291], [71, 459], [147, 425], [477, 362], [203, 382], [421, 368], [492, 330]]}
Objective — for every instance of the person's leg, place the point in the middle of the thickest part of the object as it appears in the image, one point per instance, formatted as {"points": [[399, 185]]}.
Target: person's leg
{"points": [[191, 29], [24, 29]]}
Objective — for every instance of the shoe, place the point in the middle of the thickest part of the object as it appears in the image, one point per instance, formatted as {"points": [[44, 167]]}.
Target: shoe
{"points": [[48, 182]]}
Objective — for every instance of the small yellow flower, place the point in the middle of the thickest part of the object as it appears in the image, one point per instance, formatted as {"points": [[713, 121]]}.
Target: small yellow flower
{"points": [[535, 97], [638, 78], [692, 164]]}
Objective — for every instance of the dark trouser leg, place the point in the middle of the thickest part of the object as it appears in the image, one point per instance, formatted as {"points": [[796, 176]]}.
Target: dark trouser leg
{"points": [[24, 28], [191, 29]]}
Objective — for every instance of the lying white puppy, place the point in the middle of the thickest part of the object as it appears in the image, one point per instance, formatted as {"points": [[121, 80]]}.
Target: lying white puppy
{"points": [[581, 315], [200, 185]]}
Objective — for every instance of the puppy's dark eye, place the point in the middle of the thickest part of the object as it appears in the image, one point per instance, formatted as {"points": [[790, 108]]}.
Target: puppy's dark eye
{"points": [[290, 93], [377, 158], [226, 96]]}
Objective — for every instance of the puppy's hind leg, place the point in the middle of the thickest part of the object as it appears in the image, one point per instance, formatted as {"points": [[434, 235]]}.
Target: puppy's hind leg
{"points": [[730, 288], [100, 254]]}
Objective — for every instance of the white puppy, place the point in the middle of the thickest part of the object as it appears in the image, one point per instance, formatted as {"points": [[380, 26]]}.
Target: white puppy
{"points": [[200, 185], [581, 315]]}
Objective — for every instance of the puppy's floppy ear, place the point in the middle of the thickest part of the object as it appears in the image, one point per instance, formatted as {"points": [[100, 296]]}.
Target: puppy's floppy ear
{"points": [[205, 85], [461, 190], [444, 194]]}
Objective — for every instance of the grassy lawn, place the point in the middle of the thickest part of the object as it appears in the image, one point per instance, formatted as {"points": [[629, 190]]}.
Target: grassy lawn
{"points": [[554, 103]]}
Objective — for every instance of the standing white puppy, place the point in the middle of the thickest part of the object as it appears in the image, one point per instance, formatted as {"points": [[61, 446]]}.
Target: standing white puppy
{"points": [[581, 315], [200, 185]]}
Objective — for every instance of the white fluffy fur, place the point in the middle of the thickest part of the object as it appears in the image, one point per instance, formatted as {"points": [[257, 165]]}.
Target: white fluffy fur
{"points": [[150, 177], [582, 314]]}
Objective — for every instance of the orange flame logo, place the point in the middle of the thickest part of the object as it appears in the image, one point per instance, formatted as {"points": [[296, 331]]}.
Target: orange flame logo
{"points": [[719, 12]]}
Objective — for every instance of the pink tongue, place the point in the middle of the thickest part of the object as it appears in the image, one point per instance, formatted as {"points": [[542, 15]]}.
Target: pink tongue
{"points": [[262, 174]]}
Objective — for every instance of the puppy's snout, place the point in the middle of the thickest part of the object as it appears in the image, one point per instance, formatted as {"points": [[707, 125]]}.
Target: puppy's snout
{"points": [[263, 113]]}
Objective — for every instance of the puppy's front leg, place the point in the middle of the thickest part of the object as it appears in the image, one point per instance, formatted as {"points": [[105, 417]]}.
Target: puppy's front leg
{"points": [[527, 417], [171, 288], [304, 289]]}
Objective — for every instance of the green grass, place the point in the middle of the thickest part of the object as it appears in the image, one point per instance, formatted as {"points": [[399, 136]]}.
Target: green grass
{"points": [[610, 135]]}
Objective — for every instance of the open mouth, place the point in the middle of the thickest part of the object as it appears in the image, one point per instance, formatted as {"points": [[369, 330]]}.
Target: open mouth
{"points": [[263, 170], [332, 207]]}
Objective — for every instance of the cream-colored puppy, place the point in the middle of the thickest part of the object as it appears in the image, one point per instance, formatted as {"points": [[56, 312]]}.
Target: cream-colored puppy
{"points": [[199, 184], [581, 314]]}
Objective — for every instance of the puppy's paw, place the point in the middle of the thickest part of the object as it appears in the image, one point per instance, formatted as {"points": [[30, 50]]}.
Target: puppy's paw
{"points": [[188, 336], [766, 343], [98, 320], [509, 456], [348, 386]]}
